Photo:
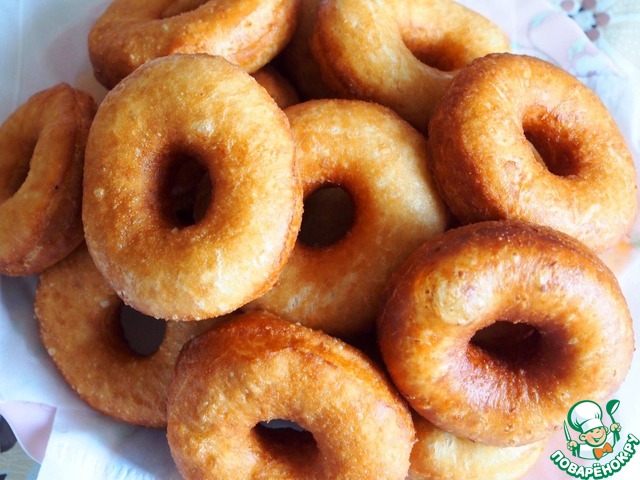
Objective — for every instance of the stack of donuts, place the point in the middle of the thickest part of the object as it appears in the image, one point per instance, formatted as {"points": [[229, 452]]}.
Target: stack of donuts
{"points": [[367, 218]]}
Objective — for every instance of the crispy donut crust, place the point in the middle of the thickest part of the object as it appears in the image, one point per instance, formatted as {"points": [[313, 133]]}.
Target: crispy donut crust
{"points": [[473, 276], [79, 319], [381, 161], [486, 169], [260, 368], [439, 455], [41, 156], [443, 33], [205, 108], [129, 33]]}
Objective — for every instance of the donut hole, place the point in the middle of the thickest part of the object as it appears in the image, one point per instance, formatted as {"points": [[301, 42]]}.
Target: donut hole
{"points": [[549, 149], [185, 193], [178, 7], [329, 214], [513, 344], [286, 441], [443, 53], [142, 333]]}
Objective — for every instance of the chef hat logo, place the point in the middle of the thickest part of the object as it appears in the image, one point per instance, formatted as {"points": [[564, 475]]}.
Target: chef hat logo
{"points": [[585, 416]]}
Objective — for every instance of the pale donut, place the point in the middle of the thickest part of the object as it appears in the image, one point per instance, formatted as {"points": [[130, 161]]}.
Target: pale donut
{"points": [[470, 278], [486, 169], [129, 33], [375, 50], [258, 368], [169, 110], [381, 162]]}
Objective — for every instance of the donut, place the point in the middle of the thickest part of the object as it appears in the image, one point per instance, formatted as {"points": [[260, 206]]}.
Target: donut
{"points": [[129, 33], [380, 161], [413, 49], [41, 156], [505, 272], [296, 59], [505, 112], [259, 368], [439, 455], [79, 320], [171, 111], [280, 89]]}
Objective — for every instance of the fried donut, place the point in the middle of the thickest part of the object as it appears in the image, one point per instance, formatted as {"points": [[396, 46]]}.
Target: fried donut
{"points": [[79, 320], [413, 49], [41, 155], [258, 368], [381, 162], [212, 112], [296, 59], [439, 455], [277, 85], [129, 33], [474, 276], [481, 138]]}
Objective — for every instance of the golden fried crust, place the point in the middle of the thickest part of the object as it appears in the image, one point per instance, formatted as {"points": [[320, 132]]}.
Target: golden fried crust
{"points": [[439, 455], [41, 156], [473, 276], [280, 89], [480, 140], [259, 368], [402, 54], [380, 160], [129, 33], [79, 319], [202, 107]]}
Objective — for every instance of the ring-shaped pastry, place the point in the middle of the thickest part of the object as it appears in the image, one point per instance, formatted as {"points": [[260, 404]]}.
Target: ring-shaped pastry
{"points": [[172, 110], [79, 319], [474, 276], [579, 178], [411, 50], [381, 162], [42, 148], [129, 33], [259, 368]]}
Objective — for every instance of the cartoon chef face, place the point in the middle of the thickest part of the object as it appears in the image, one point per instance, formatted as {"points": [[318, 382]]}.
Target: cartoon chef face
{"points": [[595, 437]]}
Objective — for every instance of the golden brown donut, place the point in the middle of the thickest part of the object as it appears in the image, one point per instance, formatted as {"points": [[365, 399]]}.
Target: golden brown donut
{"points": [[209, 111], [41, 155], [79, 319], [258, 368], [381, 162], [280, 89], [480, 138], [129, 33], [474, 276], [439, 455], [296, 59], [402, 53]]}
